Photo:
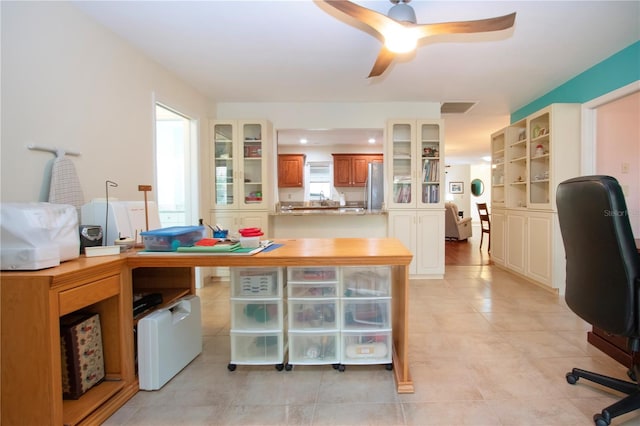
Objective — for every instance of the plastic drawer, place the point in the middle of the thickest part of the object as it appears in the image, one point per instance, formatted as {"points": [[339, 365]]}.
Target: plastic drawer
{"points": [[305, 314], [370, 281], [312, 274], [256, 314], [359, 314], [312, 289], [257, 348], [256, 282], [366, 347], [314, 347]]}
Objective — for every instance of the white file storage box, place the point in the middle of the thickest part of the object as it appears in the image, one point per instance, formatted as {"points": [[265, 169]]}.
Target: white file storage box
{"points": [[168, 340]]}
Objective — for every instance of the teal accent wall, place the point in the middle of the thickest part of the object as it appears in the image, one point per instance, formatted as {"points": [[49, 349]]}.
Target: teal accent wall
{"points": [[614, 72]]}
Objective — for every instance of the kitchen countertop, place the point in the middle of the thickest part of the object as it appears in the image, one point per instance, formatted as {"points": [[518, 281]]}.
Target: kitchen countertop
{"points": [[328, 212], [303, 209]]}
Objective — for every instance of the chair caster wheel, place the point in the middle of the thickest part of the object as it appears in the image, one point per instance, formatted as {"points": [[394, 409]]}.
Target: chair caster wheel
{"points": [[389, 367], [600, 420], [231, 367], [279, 367], [341, 368], [335, 366], [288, 367], [572, 378]]}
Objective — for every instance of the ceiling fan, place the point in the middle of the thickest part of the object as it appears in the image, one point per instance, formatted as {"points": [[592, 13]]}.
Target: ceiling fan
{"points": [[401, 33]]}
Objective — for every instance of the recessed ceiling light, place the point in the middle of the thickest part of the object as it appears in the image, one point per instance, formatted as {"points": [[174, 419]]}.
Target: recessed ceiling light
{"points": [[372, 140], [303, 141], [487, 158]]}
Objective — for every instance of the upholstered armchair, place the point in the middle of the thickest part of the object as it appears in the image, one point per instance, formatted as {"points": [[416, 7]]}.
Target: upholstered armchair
{"points": [[455, 228]]}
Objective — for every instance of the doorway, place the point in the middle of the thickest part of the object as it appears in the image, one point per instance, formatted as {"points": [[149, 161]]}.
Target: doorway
{"points": [[176, 167]]}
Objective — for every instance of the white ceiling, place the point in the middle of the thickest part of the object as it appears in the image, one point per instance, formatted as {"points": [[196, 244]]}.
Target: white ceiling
{"points": [[302, 51]]}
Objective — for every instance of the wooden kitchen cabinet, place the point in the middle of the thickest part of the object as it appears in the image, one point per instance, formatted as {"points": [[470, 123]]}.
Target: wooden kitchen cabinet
{"points": [[291, 170], [351, 169]]}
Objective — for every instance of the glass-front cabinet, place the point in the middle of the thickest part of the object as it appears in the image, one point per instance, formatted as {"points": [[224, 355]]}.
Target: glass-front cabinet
{"points": [[240, 150], [416, 151]]}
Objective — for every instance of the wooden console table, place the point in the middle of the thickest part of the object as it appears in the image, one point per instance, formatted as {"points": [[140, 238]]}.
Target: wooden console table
{"points": [[32, 302]]}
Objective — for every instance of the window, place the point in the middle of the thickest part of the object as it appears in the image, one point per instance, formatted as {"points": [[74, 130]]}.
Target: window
{"points": [[319, 181], [173, 173]]}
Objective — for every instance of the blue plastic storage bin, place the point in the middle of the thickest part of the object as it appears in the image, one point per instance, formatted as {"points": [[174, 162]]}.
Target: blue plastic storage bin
{"points": [[169, 239]]}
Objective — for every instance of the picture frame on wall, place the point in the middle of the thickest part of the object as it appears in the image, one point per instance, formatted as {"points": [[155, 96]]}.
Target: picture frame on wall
{"points": [[456, 187]]}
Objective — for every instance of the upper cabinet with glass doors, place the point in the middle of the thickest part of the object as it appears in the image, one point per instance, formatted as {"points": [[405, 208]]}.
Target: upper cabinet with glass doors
{"points": [[239, 174], [415, 149]]}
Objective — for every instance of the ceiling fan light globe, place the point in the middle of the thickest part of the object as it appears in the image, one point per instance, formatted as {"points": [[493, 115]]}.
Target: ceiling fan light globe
{"points": [[402, 12], [400, 41]]}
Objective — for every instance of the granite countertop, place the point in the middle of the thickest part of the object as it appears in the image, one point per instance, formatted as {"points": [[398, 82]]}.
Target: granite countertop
{"points": [[327, 208]]}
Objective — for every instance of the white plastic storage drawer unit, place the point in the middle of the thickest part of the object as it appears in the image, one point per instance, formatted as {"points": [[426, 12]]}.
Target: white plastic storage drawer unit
{"points": [[314, 347], [366, 315], [314, 315], [258, 316]]}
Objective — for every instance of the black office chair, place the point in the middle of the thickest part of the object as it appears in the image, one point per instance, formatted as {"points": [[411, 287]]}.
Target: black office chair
{"points": [[603, 273]]}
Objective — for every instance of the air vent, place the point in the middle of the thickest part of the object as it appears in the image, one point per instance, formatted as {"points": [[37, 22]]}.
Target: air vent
{"points": [[456, 107]]}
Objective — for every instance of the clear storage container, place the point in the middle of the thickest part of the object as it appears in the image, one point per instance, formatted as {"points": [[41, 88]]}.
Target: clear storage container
{"points": [[372, 347], [256, 314], [312, 290], [257, 348], [256, 282], [312, 274], [169, 239], [313, 314], [314, 348], [373, 281], [360, 314]]}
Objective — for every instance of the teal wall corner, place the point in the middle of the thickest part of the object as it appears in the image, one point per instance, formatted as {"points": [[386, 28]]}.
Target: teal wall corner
{"points": [[618, 70]]}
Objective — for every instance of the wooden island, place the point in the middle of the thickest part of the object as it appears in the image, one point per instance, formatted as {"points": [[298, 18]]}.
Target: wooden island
{"points": [[33, 302]]}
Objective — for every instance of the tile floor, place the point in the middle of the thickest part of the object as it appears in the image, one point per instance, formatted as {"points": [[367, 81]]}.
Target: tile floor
{"points": [[487, 348]]}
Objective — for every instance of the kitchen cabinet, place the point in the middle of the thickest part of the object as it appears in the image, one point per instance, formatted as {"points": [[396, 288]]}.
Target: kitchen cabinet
{"points": [[351, 170], [239, 173], [291, 170], [414, 196], [415, 166], [530, 158], [422, 232], [497, 235]]}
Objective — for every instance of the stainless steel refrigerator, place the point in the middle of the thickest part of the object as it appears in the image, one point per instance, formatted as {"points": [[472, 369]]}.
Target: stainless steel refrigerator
{"points": [[374, 188]]}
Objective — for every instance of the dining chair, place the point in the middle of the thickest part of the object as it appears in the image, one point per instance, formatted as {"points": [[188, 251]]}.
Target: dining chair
{"points": [[485, 223]]}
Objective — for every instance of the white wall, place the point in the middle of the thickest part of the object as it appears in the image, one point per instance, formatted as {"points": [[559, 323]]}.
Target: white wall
{"points": [[67, 82]]}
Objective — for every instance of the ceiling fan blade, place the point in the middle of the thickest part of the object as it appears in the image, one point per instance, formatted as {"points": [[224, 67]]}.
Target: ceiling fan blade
{"points": [[463, 27], [382, 62], [375, 20]]}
